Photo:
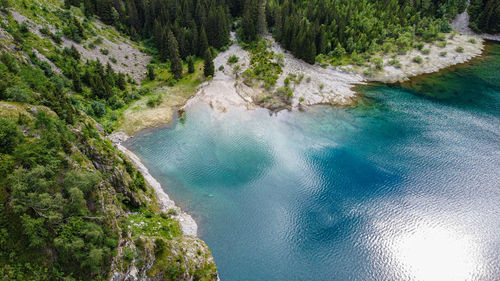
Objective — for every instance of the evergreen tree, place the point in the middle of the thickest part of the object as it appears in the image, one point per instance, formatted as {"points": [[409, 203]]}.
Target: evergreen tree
{"points": [[88, 8], [163, 45], [77, 83], [190, 62], [208, 68], [310, 56], [151, 72], [74, 52], [203, 42], [175, 61], [120, 81]]}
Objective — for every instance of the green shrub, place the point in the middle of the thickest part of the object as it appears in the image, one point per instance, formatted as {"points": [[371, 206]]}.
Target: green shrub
{"points": [[368, 72], [172, 212], [151, 72], [395, 62], [379, 63], [104, 51], [442, 54], [98, 108], [97, 41], [459, 50], [139, 181], [442, 44], [154, 101], [160, 246], [236, 68], [280, 59], [441, 37], [420, 45], [45, 31], [128, 254], [286, 81], [232, 59], [23, 28], [472, 40], [19, 93], [338, 52], [417, 59], [426, 51], [300, 78], [9, 136], [10, 62], [115, 102], [4, 4], [356, 59], [57, 37], [445, 26], [387, 47]]}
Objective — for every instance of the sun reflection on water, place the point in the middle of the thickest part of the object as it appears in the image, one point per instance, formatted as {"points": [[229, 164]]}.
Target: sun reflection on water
{"points": [[436, 253]]}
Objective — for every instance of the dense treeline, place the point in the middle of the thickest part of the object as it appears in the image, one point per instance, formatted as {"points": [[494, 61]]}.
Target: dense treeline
{"points": [[178, 28], [335, 27], [485, 16]]}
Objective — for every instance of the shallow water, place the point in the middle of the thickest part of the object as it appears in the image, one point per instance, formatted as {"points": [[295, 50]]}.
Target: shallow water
{"points": [[405, 186]]}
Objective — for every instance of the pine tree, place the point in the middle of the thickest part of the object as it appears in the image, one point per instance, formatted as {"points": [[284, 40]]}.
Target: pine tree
{"points": [[190, 62], [151, 72], [77, 83], [310, 56], [120, 81], [74, 52], [164, 46], [248, 27], [208, 68], [88, 7], [175, 61], [222, 28], [203, 41]]}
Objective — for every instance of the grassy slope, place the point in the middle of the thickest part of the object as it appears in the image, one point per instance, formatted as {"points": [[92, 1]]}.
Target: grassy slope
{"points": [[187, 257]]}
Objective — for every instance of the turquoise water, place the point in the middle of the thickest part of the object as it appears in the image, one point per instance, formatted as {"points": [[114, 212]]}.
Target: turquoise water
{"points": [[405, 186]]}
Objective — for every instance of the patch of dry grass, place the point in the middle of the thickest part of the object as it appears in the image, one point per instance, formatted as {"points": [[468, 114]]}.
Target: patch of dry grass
{"points": [[139, 116]]}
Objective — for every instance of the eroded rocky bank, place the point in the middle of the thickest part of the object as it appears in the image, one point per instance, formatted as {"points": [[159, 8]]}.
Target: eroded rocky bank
{"points": [[324, 84]]}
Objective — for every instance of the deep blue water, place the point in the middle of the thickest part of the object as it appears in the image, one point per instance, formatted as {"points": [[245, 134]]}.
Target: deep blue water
{"points": [[404, 186]]}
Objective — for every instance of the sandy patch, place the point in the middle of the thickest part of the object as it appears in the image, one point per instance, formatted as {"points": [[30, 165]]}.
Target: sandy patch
{"points": [[222, 92]]}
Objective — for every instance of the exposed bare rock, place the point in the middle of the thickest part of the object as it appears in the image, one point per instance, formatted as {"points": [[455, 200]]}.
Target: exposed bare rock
{"points": [[129, 59], [438, 58], [461, 24]]}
